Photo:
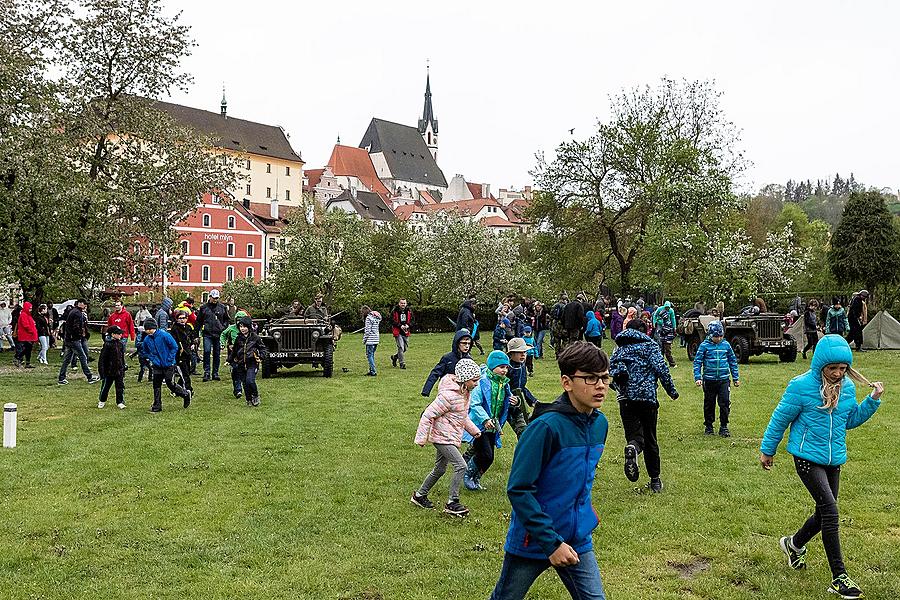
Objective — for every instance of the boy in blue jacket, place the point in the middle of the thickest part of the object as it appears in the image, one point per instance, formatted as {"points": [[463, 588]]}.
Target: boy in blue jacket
{"points": [[550, 483], [161, 349], [716, 360]]}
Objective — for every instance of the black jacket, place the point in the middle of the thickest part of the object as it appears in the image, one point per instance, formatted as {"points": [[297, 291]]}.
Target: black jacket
{"points": [[809, 321], [573, 316], [184, 337], [112, 359], [466, 317], [212, 319], [42, 324], [447, 364], [75, 326], [247, 351]]}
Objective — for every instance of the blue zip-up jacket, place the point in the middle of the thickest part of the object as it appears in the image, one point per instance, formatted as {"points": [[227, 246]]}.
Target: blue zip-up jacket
{"points": [[480, 407], [160, 348], [592, 329], [717, 361], [817, 435], [500, 337], [636, 365], [518, 380], [550, 480], [447, 364]]}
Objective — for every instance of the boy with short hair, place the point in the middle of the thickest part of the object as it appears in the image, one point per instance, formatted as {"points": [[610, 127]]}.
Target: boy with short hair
{"points": [[501, 334], [160, 348], [111, 367], [550, 483], [716, 359]]}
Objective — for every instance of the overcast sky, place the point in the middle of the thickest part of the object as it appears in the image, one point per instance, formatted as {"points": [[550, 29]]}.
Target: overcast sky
{"points": [[812, 85]]}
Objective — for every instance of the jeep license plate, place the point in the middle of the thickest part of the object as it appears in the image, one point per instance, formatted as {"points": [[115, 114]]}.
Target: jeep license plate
{"points": [[279, 354], [318, 354]]}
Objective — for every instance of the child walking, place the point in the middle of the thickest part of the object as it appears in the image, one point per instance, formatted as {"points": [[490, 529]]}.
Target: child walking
{"points": [[819, 407], [246, 357], [716, 360], [371, 336], [442, 424], [488, 409], [111, 366]]}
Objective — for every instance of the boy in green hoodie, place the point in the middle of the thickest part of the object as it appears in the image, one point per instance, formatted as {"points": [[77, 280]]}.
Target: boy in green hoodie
{"points": [[226, 342]]}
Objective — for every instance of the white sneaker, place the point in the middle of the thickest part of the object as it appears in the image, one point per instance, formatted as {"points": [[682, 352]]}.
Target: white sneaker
{"points": [[94, 379], [120, 405], [101, 404]]}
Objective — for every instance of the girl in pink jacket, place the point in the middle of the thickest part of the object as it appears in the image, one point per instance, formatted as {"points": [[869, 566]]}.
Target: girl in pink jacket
{"points": [[442, 424]]}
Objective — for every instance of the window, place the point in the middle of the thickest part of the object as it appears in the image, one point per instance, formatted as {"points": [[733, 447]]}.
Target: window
{"points": [[184, 272], [204, 297], [229, 249], [204, 249], [248, 164], [205, 272], [249, 272], [287, 171], [185, 247], [229, 274], [282, 243], [271, 243], [268, 168], [207, 221], [249, 250], [287, 194], [271, 265], [268, 192], [230, 222], [247, 191]]}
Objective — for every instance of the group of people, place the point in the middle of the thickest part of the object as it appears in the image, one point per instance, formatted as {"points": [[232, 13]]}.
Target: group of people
{"points": [[559, 446]]}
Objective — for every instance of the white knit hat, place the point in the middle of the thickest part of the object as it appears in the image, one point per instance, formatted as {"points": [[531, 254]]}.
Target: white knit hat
{"points": [[467, 370]]}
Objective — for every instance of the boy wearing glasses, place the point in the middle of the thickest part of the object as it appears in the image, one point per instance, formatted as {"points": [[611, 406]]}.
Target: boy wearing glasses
{"points": [[550, 483], [462, 344]]}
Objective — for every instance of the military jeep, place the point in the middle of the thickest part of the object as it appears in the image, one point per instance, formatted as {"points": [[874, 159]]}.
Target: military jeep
{"points": [[294, 340], [749, 335]]}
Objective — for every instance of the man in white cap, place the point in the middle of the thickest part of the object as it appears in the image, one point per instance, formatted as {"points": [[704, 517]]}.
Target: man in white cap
{"points": [[211, 322]]}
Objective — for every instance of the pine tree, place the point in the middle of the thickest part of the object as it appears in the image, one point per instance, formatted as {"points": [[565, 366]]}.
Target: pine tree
{"points": [[789, 190], [837, 188], [865, 247]]}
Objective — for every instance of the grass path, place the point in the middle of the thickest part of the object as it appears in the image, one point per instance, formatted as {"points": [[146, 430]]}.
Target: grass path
{"points": [[307, 496]]}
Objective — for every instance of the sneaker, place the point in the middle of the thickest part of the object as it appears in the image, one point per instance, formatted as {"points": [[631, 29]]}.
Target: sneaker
{"points": [[796, 559], [206, 377], [120, 406], [456, 509], [402, 366], [470, 482], [101, 404], [656, 485], [723, 431], [29, 366], [394, 360], [62, 382], [94, 379], [421, 501], [156, 408], [845, 587], [709, 430], [238, 394], [632, 470], [216, 378], [187, 398], [254, 401]]}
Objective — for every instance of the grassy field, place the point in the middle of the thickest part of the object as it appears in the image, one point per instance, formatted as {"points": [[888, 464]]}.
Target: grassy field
{"points": [[307, 496]]}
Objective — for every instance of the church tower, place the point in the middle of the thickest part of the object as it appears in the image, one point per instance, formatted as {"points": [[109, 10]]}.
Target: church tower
{"points": [[428, 125]]}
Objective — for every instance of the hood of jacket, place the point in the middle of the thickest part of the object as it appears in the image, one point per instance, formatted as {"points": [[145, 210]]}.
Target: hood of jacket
{"points": [[632, 336], [167, 304], [590, 315], [449, 387], [831, 349], [462, 333]]}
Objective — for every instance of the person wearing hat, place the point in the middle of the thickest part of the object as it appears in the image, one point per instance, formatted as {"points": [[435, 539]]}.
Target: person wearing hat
{"points": [[836, 318], [489, 410], [442, 424], [517, 351], [160, 348], [317, 310], [111, 366], [211, 322], [858, 316], [715, 365], [462, 344]]}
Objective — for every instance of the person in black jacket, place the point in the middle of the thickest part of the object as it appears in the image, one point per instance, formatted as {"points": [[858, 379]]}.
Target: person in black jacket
{"points": [[462, 342], [42, 322], [466, 317], [573, 321], [183, 332], [246, 358], [111, 367], [810, 326], [75, 343], [211, 322]]}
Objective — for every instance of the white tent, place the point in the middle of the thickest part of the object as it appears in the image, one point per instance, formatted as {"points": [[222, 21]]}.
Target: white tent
{"points": [[882, 333], [796, 330]]}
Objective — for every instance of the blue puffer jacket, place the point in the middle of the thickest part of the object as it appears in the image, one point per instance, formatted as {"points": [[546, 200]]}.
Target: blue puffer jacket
{"points": [[592, 329], [160, 348], [636, 365], [551, 478], [717, 361], [817, 435], [480, 406]]}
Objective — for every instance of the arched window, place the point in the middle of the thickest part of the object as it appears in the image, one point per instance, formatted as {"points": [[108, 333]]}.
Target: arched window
{"points": [[207, 221], [230, 222], [185, 247], [205, 272], [229, 249], [249, 250], [204, 249], [229, 274]]}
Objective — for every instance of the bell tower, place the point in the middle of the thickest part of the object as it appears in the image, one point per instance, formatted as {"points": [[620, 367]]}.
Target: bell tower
{"points": [[428, 125]]}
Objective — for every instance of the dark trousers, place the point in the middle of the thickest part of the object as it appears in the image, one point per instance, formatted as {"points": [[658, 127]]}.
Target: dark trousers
{"points": [[185, 366], [856, 334], [667, 352], [211, 345], [161, 374], [483, 450], [247, 376], [822, 483], [811, 340], [639, 422], [529, 364], [236, 380], [716, 392], [107, 383], [23, 351], [595, 340]]}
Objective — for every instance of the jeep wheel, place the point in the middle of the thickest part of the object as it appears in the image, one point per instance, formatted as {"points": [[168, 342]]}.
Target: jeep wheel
{"points": [[268, 368], [741, 347], [328, 361], [693, 343], [789, 354]]}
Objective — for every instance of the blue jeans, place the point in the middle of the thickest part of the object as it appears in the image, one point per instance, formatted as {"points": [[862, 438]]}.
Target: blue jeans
{"points": [[211, 343], [539, 343], [518, 573], [74, 350], [370, 355], [247, 376]]}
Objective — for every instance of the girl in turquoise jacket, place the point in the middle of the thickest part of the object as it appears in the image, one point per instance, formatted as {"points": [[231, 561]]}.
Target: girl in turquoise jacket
{"points": [[820, 406]]}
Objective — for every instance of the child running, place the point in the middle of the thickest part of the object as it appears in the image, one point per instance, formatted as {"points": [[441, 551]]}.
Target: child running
{"points": [[442, 424], [488, 409], [111, 367], [462, 343], [819, 407], [246, 357], [716, 360]]}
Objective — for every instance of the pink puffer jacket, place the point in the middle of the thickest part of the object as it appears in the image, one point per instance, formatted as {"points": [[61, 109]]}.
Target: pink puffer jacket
{"points": [[445, 418]]}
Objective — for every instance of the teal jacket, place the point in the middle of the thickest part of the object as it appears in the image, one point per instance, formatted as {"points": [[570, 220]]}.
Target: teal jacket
{"points": [[716, 361], [818, 435]]}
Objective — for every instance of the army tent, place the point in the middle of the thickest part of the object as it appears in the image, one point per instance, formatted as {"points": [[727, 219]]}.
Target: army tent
{"points": [[796, 331], [882, 333]]}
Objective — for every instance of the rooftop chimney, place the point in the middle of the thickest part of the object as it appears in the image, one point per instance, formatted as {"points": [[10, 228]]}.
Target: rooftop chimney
{"points": [[274, 210]]}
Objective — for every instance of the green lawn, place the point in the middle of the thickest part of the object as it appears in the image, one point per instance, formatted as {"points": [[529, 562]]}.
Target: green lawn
{"points": [[307, 496]]}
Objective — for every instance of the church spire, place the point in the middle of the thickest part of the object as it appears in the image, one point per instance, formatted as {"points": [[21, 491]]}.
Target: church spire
{"points": [[428, 125], [223, 106]]}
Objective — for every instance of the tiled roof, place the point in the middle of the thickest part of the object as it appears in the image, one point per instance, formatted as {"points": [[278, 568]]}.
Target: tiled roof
{"points": [[427, 198], [515, 211], [313, 176], [405, 152], [232, 133], [405, 212], [349, 161], [264, 210], [367, 205], [463, 207], [496, 222]]}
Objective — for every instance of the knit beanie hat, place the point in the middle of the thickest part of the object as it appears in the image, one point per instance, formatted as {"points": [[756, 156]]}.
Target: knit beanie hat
{"points": [[506, 322], [113, 330], [467, 370], [497, 358], [151, 323], [715, 329], [527, 329]]}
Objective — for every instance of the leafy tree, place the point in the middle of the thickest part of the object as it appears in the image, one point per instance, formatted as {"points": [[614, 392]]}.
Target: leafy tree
{"points": [[865, 248]]}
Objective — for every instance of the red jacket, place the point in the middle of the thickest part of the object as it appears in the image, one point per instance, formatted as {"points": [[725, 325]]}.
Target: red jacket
{"points": [[26, 328], [398, 318], [123, 321]]}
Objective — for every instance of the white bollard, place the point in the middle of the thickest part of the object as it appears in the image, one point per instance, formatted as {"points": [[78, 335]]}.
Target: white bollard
{"points": [[9, 425]]}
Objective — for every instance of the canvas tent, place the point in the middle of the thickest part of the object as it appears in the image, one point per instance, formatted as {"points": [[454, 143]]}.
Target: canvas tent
{"points": [[796, 330], [882, 333]]}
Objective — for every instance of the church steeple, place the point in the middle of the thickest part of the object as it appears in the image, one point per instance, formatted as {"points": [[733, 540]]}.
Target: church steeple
{"points": [[428, 125]]}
